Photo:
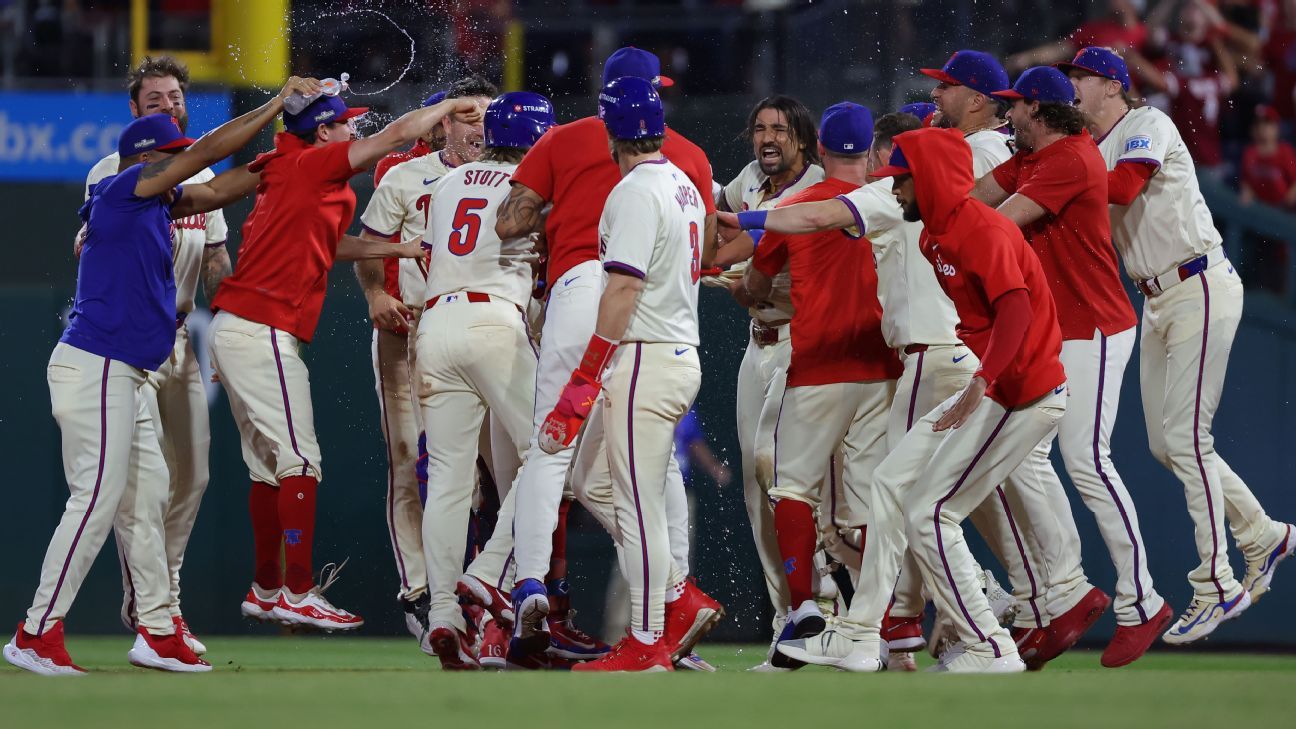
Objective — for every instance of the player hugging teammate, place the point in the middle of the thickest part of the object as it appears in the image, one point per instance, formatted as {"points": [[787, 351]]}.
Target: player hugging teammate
{"points": [[933, 301]]}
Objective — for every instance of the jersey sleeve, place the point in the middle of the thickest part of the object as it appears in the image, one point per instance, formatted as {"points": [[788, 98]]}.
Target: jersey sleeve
{"points": [[330, 163], [385, 212], [772, 254], [733, 194], [874, 209], [996, 266], [631, 232], [1006, 175], [536, 169], [1054, 182], [1147, 139]]}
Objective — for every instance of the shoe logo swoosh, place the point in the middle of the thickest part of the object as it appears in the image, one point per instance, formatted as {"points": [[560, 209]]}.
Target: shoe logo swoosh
{"points": [[1059, 390], [959, 359]]}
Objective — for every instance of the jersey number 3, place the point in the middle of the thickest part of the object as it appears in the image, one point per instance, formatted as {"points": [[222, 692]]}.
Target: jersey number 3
{"points": [[466, 224], [696, 265]]}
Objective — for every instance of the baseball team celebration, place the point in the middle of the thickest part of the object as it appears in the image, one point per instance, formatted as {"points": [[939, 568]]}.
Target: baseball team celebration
{"points": [[919, 312]]}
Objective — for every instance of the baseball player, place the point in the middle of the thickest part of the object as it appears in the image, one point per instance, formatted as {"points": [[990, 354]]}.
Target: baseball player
{"points": [[394, 290], [1163, 231], [121, 329], [841, 377], [569, 167], [957, 454], [474, 353], [785, 145], [1054, 188], [176, 395], [269, 307], [423, 146], [644, 352]]}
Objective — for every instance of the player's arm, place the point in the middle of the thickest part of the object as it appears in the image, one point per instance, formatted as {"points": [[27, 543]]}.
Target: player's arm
{"points": [[1021, 210], [1012, 319], [756, 284], [386, 311], [353, 248], [366, 152], [171, 170], [989, 191], [216, 266], [620, 296], [704, 457], [520, 214], [807, 217], [216, 193]]}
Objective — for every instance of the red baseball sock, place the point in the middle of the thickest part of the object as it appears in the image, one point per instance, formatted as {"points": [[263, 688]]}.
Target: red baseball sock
{"points": [[794, 522], [267, 537], [297, 516], [556, 580]]}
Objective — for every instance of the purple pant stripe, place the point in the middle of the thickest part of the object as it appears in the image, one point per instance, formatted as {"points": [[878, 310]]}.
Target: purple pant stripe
{"points": [[940, 541], [283, 388], [499, 584], [94, 495], [634, 485], [1120, 506], [913, 395], [391, 470], [1021, 550], [1201, 465]]}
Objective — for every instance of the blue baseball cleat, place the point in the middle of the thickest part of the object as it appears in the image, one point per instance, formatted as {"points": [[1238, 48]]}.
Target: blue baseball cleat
{"points": [[530, 627]]}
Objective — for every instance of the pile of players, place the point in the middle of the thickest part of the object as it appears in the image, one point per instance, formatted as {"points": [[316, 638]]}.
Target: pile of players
{"points": [[534, 293]]}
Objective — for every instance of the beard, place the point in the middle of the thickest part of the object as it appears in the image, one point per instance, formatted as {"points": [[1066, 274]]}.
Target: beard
{"points": [[911, 212]]}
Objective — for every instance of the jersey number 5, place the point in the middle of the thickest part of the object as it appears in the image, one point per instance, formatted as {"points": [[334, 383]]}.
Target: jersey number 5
{"points": [[467, 224], [696, 265]]}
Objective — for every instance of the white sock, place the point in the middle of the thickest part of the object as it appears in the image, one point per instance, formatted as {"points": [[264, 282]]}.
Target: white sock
{"points": [[647, 637], [674, 592]]}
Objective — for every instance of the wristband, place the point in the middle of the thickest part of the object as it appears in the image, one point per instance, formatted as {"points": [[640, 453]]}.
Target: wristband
{"points": [[597, 355], [752, 219], [756, 236]]}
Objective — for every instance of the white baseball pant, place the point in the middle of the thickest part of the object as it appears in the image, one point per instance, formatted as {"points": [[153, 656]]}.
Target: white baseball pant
{"points": [[647, 390], [399, 416], [471, 357], [116, 475], [1187, 334]]}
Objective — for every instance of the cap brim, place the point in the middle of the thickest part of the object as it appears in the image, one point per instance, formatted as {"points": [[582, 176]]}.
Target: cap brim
{"points": [[1007, 94], [940, 75], [351, 113], [890, 171], [1067, 67], [180, 143], [663, 81]]}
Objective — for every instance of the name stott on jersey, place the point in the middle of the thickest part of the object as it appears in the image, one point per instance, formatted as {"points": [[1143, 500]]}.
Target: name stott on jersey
{"points": [[1163, 227], [652, 228], [467, 255], [401, 205], [190, 235], [749, 191]]}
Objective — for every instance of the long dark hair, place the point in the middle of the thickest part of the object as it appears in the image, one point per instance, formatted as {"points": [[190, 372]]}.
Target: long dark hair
{"points": [[800, 123], [1063, 118]]}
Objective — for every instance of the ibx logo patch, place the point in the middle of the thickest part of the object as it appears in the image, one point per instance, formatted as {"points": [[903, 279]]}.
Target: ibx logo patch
{"points": [[1141, 142]]}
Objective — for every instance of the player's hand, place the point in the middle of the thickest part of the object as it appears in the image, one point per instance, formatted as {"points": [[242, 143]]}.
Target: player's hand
{"points": [[464, 110], [412, 248], [564, 422], [738, 290], [388, 312], [727, 225], [79, 242], [967, 404], [307, 87]]}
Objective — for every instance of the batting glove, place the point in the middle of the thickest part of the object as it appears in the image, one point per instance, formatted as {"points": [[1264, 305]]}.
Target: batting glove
{"points": [[564, 422]]}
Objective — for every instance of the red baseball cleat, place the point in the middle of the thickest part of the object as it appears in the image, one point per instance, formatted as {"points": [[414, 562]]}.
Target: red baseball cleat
{"points": [[1065, 630], [631, 656], [45, 654], [1028, 641], [570, 642], [258, 603], [165, 653], [452, 647], [191, 640], [312, 610], [494, 647], [487, 596], [688, 619], [903, 635], [1132, 641]]}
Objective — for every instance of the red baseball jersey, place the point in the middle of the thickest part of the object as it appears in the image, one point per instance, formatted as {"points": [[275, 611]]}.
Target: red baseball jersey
{"points": [[1270, 176], [1068, 178], [837, 335], [571, 167], [303, 207]]}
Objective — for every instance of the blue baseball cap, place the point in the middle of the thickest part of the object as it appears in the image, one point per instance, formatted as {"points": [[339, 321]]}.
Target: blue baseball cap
{"points": [[147, 133], [631, 109], [631, 61], [920, 109], [846, 128], [517, 119], [1041, 83], [895, 166], [436, 98], [1100, 62], [324, 110], [974, 69]]}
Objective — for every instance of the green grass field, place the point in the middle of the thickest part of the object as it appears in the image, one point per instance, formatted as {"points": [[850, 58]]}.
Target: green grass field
{"points": [[312, 682]]}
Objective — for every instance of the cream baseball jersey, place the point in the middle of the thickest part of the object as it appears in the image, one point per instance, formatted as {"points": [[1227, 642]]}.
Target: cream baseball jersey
{"points": [[914, 308], [401, 205], [750, 191], [190, 235], [466, 253], [652, 228], [1168, 223], [990, 148]]}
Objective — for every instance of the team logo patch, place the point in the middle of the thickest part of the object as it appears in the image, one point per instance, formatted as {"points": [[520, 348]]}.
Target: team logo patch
{"points": [[292, 536], [326, 114], [141, 144], [789, 565], [1136, 143]]}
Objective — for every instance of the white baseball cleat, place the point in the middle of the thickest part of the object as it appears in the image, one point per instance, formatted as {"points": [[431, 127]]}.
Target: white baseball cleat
{"points": [[1202, 618], [165, 653], [958, 660], [311, 609], [831, 648], [902, 662], [1002, 603], [807, 620], [258, 603], [1260, 572], [766, 666]]}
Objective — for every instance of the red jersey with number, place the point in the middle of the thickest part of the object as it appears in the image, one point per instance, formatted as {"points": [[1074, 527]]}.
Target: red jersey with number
{"points": [[1068, 178], [837, 333], [572, 168], [303, 207]]}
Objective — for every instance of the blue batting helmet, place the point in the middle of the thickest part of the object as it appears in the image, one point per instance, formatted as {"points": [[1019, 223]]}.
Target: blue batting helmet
{"points": [[631, 109], [517, 119]]}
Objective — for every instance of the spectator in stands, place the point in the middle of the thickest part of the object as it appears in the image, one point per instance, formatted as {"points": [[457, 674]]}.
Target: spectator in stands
{"points": [[1268, 177], [1119, 27], [1280, 57]]}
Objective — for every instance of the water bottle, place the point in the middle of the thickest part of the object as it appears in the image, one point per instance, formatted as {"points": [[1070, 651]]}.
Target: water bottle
{"points": [[296, 103]]}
